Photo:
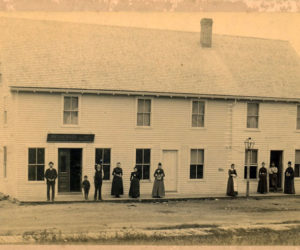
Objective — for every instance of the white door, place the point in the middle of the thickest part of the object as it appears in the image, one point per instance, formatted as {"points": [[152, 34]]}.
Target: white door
{"points": [[169, 164]]}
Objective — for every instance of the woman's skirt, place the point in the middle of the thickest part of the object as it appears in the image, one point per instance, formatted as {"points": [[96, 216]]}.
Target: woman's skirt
{"points": [[117, 186], [134, 190], [158, 188]]}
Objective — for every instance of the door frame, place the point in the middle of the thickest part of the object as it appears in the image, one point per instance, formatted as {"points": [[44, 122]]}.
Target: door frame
{"points": [[56, 147], [282, 167], [177, 167]]}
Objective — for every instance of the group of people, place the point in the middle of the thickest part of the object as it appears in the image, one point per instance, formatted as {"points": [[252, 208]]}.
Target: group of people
{"points": [[289, 187], [158, 190], [117, 190]]}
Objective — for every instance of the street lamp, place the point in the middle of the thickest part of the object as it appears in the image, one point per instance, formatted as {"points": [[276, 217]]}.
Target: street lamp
{"points": [[249, 143]]}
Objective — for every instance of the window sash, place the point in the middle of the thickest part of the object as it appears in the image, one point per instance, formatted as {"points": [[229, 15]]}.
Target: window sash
{"points": [[252, 115], [142, 163], [70, 112], [144, 112], [196, 171], [198, 113], [253, 171], [36, 162], [297, 170]]}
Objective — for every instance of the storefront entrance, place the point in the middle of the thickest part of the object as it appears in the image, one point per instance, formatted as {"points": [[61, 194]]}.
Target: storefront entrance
{"points": [[276, 157], [69, 169]]}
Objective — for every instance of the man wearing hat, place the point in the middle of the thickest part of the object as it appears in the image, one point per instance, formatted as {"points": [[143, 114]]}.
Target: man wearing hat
{"points": [[98, 180], [50, 176]]}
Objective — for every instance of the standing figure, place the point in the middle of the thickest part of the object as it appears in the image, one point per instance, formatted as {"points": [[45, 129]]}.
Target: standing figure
{"points": [[98, 181], [86, 187], [289, 187], [117, 183], [134, 190], [51, 175], [273, 176], [262, 183], [232, 182], [158, 186]]}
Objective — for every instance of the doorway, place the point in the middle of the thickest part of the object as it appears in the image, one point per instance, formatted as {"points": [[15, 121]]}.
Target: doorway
{"points": [[169, 163], [69, 169], [276, 157]]}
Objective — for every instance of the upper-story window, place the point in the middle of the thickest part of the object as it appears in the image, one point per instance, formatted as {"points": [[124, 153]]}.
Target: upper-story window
{"points": [[71, 110], [252, 115], [198, 111], [144, 112], [298, 116]]}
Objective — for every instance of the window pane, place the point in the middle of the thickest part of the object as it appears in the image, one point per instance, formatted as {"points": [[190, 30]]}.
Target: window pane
{"points": [[193, 171], [200, 120], [67, 117], [298, 111], [252, 122], [147, 106], [74, 103], [40, 156], [146, 120], [297, 157], [98, 155], [297, 170], [193, 156], [194, 120], [31, 172], [140, 121], [40, 172], [67, 103], [146, 172], [139, 156], [139, 169], [253, 170], [140, 106], [195, 107], [253, 157], [74, 117], [32, 155], [245, 172], [146, 156], [201, 108], [298, 123], [106, 169], [199, 171], [106, 156], [200, 159], [252, 109]]}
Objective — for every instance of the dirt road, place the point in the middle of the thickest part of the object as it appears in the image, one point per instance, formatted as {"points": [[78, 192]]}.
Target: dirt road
{"points": [[237, 221]]}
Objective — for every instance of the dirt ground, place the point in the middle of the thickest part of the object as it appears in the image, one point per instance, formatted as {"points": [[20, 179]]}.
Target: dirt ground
{"points": [[218, 222]]}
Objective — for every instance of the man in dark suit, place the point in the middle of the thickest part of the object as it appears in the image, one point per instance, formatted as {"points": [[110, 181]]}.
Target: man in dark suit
{"points": [[50, 176]]}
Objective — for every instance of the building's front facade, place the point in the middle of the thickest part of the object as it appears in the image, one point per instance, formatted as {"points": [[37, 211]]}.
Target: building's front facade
{"points": [[196, 136]]}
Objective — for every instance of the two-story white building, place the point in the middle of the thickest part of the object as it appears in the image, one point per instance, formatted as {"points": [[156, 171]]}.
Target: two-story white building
{"points": [[77, 93]]}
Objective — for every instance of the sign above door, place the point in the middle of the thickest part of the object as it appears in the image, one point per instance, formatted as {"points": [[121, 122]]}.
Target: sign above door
{"points": [[70, 138]]}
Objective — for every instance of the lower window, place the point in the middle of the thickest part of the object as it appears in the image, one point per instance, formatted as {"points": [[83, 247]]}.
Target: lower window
{"points": [[143, 157], [36, 164], [253, 164], [197, 163], [103, 154]]}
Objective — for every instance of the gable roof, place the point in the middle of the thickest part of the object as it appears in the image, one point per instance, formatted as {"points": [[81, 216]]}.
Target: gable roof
{"points": [[49, 54]]}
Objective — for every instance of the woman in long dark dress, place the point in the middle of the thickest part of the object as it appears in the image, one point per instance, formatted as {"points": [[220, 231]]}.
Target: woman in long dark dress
{"points": [[134, 190], [231, 183], [158, 190], [262, 183], [117, 183], [289, 187]]}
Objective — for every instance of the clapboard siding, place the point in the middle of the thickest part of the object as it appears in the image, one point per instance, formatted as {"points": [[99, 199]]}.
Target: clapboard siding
{"points": [[113, 121]]}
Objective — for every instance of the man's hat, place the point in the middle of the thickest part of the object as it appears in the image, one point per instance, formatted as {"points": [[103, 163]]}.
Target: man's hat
{"points": [[50, 162], [289, 162]]}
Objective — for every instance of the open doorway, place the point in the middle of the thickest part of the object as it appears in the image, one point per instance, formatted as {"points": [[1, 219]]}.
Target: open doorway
{"points": [[276, 157], [69, 169]]}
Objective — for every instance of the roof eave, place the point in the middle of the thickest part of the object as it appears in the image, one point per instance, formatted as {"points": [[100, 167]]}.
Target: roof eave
{"points": [[149, 93]]}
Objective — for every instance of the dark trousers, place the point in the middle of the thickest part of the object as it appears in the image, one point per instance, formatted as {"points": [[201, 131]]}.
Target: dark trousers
{"points": [[86, 193], [52, 186], [98, 186]]}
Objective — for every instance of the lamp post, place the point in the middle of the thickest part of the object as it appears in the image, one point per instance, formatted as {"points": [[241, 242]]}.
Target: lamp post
{"points": [[249, 143]]}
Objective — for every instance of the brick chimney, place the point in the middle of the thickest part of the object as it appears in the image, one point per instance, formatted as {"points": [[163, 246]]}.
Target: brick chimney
{"points": [[206, 32]]}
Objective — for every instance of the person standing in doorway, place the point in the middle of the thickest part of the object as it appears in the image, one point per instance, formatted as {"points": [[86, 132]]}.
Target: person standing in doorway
{"points": [[117, 183], [98, 181], [51, 175], [289, 187], [262, 183], [86, 187], [158, 190], [273, 176], [232, 182]]}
